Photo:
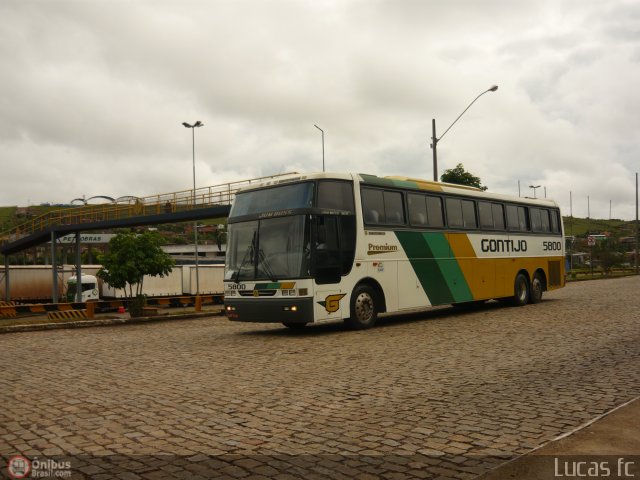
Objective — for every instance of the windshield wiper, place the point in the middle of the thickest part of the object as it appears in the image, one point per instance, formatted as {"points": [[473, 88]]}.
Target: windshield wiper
{"points": [[266, 266], [249, 253]]}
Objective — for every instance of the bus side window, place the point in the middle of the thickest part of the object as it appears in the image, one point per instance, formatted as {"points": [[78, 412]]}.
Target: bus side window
{"points": [[516, 218], [512, 217], [417, 209], [522, 219], [461, 213], [544, 217], [554, 221], [393, 208], [434, 210], [373, 206], [371, 217], [454, 212], [498, 216], [469, 214], [335, 195], [536, 219], [485, 213]]}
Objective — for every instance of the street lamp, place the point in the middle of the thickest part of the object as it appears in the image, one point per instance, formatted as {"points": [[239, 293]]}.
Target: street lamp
{"points": [[534, 189], [435, 139], [195, 224], [322, 144]]}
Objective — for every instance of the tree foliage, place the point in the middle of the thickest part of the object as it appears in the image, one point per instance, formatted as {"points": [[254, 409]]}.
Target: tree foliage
{"points": [[460, 176], [130, 257]]}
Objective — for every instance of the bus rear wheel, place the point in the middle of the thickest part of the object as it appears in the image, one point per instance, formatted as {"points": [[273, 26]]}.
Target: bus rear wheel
{"points": [[364, 308], [521, 291], [537, 287]]}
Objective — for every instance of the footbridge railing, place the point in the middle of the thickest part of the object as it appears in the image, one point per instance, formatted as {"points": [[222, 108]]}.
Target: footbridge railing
{"points": [[132, 207]]}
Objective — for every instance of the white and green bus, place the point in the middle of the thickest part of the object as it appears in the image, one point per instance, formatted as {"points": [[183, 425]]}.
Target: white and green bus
{"points": [[338, 246]]}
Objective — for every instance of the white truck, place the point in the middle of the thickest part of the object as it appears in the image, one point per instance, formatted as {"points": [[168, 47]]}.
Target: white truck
{"points": [[181, 281], [90, 288]]}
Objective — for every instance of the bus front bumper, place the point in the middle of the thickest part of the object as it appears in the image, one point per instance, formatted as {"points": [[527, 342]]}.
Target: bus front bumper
{"points": [[270, 310]]}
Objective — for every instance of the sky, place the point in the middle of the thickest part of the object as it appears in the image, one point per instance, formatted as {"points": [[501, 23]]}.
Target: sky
{"points": [[94, 93]]}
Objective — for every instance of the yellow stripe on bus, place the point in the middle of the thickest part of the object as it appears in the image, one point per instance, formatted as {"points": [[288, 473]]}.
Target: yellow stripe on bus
{"points": [[494, 277]]}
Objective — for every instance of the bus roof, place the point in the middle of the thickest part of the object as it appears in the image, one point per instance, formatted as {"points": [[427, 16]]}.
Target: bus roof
{"points": [[405, 183]]}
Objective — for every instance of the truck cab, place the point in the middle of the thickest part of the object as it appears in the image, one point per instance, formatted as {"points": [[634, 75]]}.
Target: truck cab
{"points": [[90, 289]]}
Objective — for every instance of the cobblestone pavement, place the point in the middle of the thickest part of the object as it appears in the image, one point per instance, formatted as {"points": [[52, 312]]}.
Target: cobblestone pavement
{"points": [[439, 394]]}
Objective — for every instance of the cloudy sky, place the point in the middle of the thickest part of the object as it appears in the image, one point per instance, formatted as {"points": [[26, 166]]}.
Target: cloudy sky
{"points": [[94, 93]]}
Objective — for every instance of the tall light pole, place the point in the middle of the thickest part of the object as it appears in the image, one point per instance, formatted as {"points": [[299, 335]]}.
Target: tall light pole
{"points": [[195, 224], [637, 225], [435, 139], [322, 144], [534, 189]]}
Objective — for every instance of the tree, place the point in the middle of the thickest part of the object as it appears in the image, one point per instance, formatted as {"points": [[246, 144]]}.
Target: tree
{"points": [[460, 176], [130, 257]]}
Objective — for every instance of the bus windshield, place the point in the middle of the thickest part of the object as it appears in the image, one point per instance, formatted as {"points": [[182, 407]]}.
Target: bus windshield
{"points": [[268, 249], [285, 197]]}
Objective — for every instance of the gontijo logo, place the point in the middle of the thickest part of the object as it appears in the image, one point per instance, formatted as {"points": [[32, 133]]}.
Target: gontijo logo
{"points": [[332, 303], [495, 245]]}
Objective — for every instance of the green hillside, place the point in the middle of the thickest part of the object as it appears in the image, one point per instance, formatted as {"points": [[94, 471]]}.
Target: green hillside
{"points": [[7, 217], [10, 217], [580, 227]]}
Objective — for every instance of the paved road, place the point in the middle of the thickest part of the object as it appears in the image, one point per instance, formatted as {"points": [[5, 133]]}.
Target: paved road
{"points": [[439, 394]]}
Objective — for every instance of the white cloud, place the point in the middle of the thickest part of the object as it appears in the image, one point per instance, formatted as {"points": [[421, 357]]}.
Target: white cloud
{"points": [[94, 93]]}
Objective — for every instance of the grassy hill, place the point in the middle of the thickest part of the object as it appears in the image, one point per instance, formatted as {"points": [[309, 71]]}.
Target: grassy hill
{"points": [[580, 227], [10, 217], [7, 217]]}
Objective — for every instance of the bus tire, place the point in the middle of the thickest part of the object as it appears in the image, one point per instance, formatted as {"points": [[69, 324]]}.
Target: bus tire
{"points": [[521, 291], [537, 287], [364, 308]]}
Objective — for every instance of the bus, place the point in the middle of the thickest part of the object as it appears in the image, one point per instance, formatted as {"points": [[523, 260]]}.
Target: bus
{"points": [[325, 247]]}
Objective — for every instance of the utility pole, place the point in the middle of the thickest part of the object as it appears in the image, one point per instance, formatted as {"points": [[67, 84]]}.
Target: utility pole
{"points": [[195, 224], [637, 230], [321, 131], [435, 150], [571, 230], [435, 139]]}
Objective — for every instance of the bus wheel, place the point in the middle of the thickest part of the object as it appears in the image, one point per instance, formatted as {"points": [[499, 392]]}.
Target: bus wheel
{"points": [[521, 292], [364, 310], [537, 287], [295, 326]]}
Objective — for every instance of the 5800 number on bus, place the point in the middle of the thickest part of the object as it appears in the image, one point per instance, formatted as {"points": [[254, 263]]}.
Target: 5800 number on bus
{"points": [[552, 246]]}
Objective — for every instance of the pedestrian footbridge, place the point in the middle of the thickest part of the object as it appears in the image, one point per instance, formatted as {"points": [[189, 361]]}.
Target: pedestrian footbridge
{"points": [[186, 205]]}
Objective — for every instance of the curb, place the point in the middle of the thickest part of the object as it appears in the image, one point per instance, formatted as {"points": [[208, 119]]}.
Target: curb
{"points": [[105, 322], [501, 471]]}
